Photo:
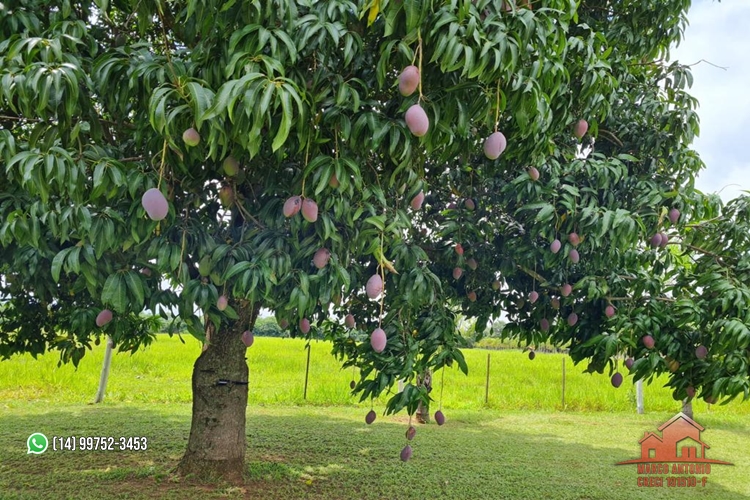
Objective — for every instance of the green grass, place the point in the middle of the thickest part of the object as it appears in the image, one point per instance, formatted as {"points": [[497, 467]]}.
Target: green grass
{"points": [[329, 453], [519, 446], [161, 374]]}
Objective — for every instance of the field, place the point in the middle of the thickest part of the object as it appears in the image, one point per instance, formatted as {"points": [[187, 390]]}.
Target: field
{"points": [[521, 445]]}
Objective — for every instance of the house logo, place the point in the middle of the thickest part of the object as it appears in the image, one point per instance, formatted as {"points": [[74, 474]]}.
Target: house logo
{"points": [[678, 450]]}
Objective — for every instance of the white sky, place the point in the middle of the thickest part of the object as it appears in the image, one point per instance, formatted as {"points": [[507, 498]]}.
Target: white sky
{"points": [[720, 33]]}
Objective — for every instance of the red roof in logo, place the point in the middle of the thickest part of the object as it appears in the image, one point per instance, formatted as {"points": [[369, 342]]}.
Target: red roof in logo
{"points": [[679, 442]]}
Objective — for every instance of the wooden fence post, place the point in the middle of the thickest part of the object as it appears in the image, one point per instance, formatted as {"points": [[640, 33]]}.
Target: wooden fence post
{"points": [[639, 396], [307, 372], [487, 383], [563, 383], [105, 371]]}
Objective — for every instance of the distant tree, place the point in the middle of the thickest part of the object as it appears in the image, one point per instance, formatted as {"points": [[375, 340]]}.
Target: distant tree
{"points": [[232, 109], [268, 327]]}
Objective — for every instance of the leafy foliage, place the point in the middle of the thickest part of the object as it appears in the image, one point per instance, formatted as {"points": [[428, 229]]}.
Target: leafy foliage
{"points": [[95, 97]]}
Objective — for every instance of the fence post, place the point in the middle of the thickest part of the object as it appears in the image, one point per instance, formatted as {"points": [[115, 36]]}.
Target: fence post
{"points": [[639, 396], [563, 383], [487, 383], [105, 371], [307, 372]]}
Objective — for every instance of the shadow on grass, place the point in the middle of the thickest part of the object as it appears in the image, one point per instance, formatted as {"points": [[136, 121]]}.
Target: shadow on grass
{"points": [[332, 454]]}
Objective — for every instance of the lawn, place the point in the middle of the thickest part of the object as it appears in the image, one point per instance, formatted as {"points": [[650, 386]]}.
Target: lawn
{"points": [[521, 446], [161, 374], [329, 453]]}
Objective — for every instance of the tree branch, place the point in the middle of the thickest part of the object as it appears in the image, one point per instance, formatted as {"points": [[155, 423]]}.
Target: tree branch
{"points": [[611, 137], [660, 299], [718, 257], [534, 275], [39, 120]]}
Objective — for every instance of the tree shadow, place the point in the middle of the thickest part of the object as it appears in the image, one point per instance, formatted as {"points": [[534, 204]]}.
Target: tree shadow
{"points": [[319, 453]]}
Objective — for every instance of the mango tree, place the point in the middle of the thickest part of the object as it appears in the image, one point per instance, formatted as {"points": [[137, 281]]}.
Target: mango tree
{"points": [[368, 170]]}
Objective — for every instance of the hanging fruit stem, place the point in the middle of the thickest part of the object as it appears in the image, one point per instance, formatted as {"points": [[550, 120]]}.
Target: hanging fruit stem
{"points": [[382, 277], [182, 253], [307, 158], [497, 104], [419, 49], [163, 161]]}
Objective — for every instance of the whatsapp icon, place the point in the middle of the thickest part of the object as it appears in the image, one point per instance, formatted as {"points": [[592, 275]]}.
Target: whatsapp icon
{"points": [[37, 443]]}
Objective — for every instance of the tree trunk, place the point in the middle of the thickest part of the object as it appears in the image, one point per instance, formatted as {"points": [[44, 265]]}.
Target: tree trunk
{"points": [[687, 407], [216, 447], [423, 411]]}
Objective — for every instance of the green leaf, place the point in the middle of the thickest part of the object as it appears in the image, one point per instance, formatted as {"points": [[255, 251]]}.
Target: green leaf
{"points": [[109, 291], [57, 263], [545, 213], [236, 269], [135, 286], [286, 120], [201, 99]]}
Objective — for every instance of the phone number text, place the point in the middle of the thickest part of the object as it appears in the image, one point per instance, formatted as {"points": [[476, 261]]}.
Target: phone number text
{"points": [[99, 443]]}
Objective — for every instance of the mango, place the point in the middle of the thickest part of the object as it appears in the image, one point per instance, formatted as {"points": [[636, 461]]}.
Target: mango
{"points": [[349, 321], [333, 181], [417, 121], [309, 210], [494, 145], [191, 137], [574, 257], [378, 340], [304, 325], [408, 80], [411, 432], [580, 128], [572, 319], [155, 204], [104, 317], [439, 417], [292, 206], [370, 417], [222, 303], [248, 338], [674, 215], [374, 286], [321, 258], [416, 202], [555, 246], [226, 196], [231, 166]]}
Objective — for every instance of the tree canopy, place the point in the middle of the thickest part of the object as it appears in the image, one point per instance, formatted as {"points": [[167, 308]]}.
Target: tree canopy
{"points": [[290, 99]]}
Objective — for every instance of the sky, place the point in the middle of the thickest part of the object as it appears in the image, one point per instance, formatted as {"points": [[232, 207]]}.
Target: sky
{"points": [[720, 34]]}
